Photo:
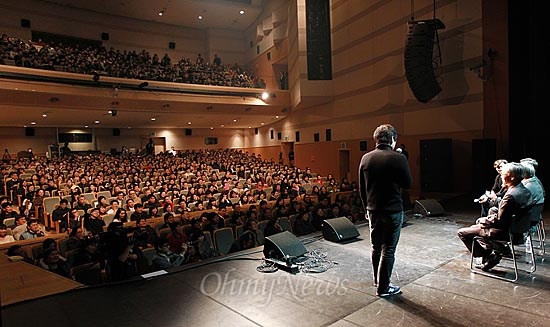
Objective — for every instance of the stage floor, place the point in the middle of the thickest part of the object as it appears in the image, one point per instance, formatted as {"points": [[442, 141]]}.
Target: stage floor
{"points": [[432, 268]]}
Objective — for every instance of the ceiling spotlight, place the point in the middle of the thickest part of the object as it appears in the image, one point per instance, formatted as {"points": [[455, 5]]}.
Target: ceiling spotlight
{"points": [[33, 123], [265, 96], [188, 123], [113, 112], [85, 126], [241, 12], [44, 115], [211, 127], [200, 17], [162, 12], [96, 122], [153, 119]]}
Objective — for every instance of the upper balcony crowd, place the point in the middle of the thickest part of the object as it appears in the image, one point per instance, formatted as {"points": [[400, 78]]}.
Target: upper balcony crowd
{"points": [[142, 65]]}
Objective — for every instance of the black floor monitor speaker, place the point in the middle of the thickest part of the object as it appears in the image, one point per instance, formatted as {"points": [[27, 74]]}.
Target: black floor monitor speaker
{"points": [[283, 245], [428, 207], [339, 229]]}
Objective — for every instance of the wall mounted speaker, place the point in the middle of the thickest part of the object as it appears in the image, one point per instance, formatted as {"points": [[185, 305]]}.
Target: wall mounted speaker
{"points": [[188, 132], [419, 63], [29, 131], [171, 45], [116, 131], [363, 145], [105, 36], [26, 23], [256, 131], [339, 229], [283, 245], [436, 165], [428, 207]]}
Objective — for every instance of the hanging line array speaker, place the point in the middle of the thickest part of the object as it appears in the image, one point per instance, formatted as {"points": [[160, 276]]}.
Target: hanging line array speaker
{"points": [[419, 64]]}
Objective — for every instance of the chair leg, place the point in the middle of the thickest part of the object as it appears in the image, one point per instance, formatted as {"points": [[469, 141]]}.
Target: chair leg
{"points": [[533, 261], [540, 237], [489, 274]]}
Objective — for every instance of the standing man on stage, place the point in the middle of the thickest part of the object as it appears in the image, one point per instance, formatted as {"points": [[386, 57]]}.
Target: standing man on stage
{"points": [[383, 174]]}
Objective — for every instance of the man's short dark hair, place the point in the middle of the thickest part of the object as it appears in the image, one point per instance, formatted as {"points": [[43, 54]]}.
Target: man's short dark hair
{"points": [[63, 201]]}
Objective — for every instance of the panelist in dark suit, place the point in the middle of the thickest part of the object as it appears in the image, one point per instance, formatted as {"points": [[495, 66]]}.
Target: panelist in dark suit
{"points": [[515, 202]]}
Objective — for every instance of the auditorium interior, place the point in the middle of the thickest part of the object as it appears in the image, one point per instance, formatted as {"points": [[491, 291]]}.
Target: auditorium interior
{"points": [[295, 84]]}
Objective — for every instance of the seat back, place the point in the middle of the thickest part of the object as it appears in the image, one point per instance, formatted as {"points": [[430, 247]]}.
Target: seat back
{"points": [[50, 203], [223, 239], [87, 275], [535, 213], [106, 194], [9, 222], [285, 224], [108, 218], [90, 197], [521, 222], [239, 230], [163, 232]]}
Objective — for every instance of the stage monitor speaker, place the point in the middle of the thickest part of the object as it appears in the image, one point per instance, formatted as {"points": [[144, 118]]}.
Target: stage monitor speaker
{"points": [[116, 131], [339, 229], [419, 64], [283, 245], [428, 207], [29, 131]]}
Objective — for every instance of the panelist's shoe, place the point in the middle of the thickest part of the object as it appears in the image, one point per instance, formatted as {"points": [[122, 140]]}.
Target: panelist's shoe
{"points": [[390, 290], [492, 261]]}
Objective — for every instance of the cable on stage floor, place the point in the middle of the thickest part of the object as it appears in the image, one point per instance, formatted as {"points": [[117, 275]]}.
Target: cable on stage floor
{"points": [[315, 261], [267, 267]]}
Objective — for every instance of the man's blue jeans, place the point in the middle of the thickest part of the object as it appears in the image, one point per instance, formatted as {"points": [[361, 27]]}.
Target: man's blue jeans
{"points": [[384, 233]]}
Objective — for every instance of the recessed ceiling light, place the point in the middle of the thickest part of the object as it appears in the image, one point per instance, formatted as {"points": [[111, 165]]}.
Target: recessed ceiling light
{"points": [[222, 125], [200, 17], [249, 126], [261, 123], [97, 121], [33, 123], [153, 118], [234, 120], [161, 12], [85, 126], [44, 115], [277, 116], [241, 12], [188, 123], [211, 127]]}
